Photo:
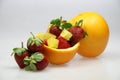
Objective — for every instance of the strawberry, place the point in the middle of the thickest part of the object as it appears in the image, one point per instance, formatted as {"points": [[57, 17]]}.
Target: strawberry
{"points": [[77, 33], [35, 62], [55, 30], [35, 44], [57, 25], [19, 55], [63, 43]]}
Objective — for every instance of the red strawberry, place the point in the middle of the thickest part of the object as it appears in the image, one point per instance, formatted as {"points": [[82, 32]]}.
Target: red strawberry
{"points": [[42, 64], [19, 55], [57, 25], [37, 61], [77, 33], [63, 43], [35, 44], [55, 30]]}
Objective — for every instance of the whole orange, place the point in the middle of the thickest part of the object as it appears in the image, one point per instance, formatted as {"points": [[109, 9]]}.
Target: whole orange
{"points": [[98, 33]]}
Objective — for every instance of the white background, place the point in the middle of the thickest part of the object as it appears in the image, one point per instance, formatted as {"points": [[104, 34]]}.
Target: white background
{"points": [[19, 17]]}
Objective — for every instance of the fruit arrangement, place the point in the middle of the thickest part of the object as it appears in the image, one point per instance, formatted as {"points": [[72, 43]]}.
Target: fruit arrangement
{"points": [[61, 34], [86, 34]]}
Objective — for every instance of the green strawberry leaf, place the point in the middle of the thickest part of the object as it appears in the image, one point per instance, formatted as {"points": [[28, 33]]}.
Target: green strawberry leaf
{"points": [[61, 23], [19, 51], [29, 41], [66, 25], [32, 43], [56, 22], [37, 42], [30, 61], [85, 34], [31, 67], [37, 57], [34, 58], [33, 40], [27, 60]]}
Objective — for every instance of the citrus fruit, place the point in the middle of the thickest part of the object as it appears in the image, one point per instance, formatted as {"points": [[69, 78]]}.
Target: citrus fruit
{"points": [[98, 33], [60, 56]]}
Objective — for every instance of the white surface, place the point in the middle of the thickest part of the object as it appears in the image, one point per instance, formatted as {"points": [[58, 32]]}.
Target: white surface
{"points": [[19, 17]]}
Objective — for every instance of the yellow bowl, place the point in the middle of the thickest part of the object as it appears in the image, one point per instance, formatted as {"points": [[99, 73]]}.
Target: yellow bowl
{"points": [[60, 56]]}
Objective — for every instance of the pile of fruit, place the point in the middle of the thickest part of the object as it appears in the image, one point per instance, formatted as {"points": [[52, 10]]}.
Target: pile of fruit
{"points": [[61, 41], [31, 58], [61, 34]]}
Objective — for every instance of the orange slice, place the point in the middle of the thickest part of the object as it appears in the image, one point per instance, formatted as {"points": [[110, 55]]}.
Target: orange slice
{"points": [[60, 56]]}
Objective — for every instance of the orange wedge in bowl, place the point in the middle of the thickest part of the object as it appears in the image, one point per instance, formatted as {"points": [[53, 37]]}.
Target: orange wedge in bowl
{"points": [[60, 56]]}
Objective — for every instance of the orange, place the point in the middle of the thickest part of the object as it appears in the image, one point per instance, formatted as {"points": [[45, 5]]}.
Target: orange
{"points": [[98, 34], [60, 56]]}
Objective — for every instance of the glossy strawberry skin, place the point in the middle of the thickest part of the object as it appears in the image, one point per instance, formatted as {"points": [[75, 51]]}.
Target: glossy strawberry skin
{"points": [[34, 48], [42, 64], [63, 44], [78, 34], [55, 30], [20, 59]]}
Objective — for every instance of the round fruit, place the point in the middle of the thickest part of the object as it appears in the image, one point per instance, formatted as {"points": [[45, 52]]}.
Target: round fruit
{"points": [[60, 56], [98, 33]]}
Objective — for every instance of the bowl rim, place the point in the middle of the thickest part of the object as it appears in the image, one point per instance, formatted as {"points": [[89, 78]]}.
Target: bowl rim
{"points": [[67, 49]]}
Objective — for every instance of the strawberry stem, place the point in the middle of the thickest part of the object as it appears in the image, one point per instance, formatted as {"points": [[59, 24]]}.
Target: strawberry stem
{"points": [[60, 18], [32, 35], [12, 53], [22, 45], [79, 23]]}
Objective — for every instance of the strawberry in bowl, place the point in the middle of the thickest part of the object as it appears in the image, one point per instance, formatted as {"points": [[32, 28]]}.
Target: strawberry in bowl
{"points": [[63, 43]]}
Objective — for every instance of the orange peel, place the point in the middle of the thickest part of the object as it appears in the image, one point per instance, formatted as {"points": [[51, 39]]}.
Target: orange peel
{"points": [[98, 34], [60, 56]]}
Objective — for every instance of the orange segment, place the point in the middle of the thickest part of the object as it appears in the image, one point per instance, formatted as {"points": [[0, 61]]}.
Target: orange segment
{"points": [[60, 56]]}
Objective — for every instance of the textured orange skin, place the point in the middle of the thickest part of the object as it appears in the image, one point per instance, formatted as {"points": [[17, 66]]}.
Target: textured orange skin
{"points": [[60, 56], [98, 34]]}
